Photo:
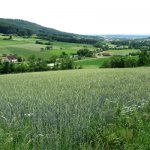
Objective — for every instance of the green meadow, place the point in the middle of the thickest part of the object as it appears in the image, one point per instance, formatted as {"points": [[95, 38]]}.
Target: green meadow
{"points": [[26, 47], [123, 52], [92, 63]]}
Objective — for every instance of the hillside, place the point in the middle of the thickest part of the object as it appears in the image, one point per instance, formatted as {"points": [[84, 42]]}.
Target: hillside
{"points": [[101, 109], [26, 47], [33, 27]]}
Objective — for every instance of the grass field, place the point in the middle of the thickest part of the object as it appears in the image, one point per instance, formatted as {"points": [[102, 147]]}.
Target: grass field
{"points": [[98, 109], [123, 52], [92, 63], [26, 47]]}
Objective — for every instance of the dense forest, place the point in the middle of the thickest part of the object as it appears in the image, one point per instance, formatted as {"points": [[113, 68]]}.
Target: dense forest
{"points": [[35, 28]]}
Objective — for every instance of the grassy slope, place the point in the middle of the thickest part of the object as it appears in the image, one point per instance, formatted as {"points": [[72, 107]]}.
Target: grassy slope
{"points": [[35, 28], [27, 47], [79, 109], [123, 52], [92, 63]]}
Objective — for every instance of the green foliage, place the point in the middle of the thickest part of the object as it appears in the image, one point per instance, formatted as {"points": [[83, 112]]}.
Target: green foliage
{"points": [[142, 44], [130, 62], [15, 26], [121, 62], [8, 28], [25, 28], [48, 47], [64, 62], [38, 42], [85, 52], [44, 43], [33, 64], [52, 59], [126, 61], [103, 46], [19, 59], [144, 58], [117, 62]]}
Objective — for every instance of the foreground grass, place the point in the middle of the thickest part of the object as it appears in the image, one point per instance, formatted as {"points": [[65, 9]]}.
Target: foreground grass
{"points": [[98, 109]]}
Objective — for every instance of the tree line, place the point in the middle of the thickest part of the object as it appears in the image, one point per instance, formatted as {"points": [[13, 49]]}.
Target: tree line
{"points": [[69, 39], [143, 44], [37, 64], [128, 61]]}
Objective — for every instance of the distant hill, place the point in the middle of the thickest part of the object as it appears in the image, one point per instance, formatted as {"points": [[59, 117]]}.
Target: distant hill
{"points": [[26, 28], [124, 36], [10, 26]]}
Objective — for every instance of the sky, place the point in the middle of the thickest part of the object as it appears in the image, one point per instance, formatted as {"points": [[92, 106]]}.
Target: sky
{"points": [[83, 16]]}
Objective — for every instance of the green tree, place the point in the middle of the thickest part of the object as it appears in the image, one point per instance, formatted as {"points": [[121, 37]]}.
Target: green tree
{"points": [[85, 52], [10, 37], [144, 58], [19, 59]]}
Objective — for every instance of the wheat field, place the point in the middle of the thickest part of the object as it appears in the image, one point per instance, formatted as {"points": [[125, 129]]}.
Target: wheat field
{"points": [[80, 109]]}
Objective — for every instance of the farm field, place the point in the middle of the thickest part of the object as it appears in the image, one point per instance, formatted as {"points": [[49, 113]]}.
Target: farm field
{"points": [[123, 52], [95, 109], [92, 63], [26, 47]]}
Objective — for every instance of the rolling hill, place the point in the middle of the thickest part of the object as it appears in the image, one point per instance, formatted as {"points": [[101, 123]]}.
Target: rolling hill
{"points": [[33, 27], [26, 28]]}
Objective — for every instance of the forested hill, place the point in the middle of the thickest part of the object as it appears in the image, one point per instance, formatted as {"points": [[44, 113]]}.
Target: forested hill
{"points": [[26, 28], [12, 26]]}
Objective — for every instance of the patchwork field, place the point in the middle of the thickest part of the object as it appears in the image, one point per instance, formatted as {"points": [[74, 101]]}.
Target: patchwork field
{"points": [[95, 109], [26, 47]]}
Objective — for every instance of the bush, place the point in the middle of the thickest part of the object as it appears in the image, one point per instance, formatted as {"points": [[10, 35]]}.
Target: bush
{"points": [[134, 54], [19, 59], [130, 62], [120, 62], [48, 47], [144, 58], [48, 43], [85, 53], [106, 64], [117, 62], [38, 42], [66, 63]]}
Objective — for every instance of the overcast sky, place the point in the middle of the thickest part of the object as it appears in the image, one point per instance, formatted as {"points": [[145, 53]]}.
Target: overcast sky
{"points": [[83, 16]]}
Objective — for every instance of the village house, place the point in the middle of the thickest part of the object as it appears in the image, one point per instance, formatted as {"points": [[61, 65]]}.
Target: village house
{"points": [[10, 58]]}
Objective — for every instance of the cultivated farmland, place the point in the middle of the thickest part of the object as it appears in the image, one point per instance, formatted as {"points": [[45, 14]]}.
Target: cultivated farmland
{"points": [[26, 47], [98, 109]]}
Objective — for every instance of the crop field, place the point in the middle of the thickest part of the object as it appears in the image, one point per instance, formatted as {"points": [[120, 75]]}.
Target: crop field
{"points": [[26, 47], [123, 52], [92, 63], [95, 109]]}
